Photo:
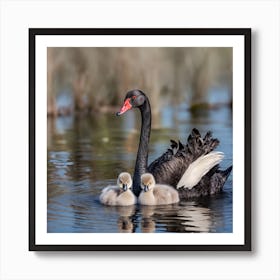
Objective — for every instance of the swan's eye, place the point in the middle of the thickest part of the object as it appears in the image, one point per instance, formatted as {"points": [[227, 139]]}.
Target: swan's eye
{"points": [[136, 101], [132, 100]]}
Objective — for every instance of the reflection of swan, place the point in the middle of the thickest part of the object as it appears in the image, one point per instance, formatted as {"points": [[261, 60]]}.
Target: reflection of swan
{"points": [[121, 194], [195, 219], [155, 194], [147, 222], [126, 211], [172, 167], [125, 224], [176, 218], [124, 214]]}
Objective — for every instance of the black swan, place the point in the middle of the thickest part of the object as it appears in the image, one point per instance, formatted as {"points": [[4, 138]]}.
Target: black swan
{"points": [[179, 160], [156, 194], [121, 194]]}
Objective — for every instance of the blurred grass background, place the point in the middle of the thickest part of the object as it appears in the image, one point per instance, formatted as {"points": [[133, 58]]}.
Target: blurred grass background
{"points": [[96, 79]]}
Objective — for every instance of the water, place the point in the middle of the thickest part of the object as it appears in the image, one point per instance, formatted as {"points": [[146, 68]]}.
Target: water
{"points": [[86, 154]]}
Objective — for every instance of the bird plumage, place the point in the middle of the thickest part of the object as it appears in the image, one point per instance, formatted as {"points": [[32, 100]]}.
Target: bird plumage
{"points": [[172, 165], [121, 194], [156, 194]]}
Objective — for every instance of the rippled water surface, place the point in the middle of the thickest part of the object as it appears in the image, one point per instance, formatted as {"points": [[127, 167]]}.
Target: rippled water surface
{"points": [[85, 154]]}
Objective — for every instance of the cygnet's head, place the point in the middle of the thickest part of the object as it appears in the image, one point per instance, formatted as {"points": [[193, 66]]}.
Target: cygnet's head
{"points": [[147, 182], [124, 181]]}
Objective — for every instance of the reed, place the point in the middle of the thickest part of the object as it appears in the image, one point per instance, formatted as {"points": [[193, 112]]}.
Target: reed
{"points": [[97, 78]]}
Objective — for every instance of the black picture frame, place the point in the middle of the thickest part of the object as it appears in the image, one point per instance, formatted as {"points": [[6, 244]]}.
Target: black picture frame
{"points": [[245, 32]]}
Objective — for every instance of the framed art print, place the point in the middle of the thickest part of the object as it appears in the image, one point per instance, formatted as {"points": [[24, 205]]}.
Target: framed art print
{"points": [[140, 139]]}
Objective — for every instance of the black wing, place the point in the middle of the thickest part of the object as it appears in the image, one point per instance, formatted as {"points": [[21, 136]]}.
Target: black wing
{"points": [[170, 167]]}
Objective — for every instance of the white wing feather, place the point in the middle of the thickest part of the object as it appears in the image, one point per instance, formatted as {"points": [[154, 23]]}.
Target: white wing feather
{"points": [[198, 169]]}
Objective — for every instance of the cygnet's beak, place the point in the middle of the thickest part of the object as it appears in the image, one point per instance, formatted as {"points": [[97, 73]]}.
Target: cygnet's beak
{"points": [[125, 187], [146, 188]]}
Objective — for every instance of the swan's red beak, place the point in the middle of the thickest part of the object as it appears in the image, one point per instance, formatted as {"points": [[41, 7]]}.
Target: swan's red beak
{"points": [[126, 106]]}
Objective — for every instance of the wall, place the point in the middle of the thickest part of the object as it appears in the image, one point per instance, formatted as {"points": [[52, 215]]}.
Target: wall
{"points": [[17, 262]]}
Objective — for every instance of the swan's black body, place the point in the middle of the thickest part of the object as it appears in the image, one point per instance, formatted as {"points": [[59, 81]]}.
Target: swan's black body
{"points": [[170, 167]]}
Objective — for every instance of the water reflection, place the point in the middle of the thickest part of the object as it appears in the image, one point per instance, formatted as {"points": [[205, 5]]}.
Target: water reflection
{"points": [[175, 218], [125, 224], [86, 154], [195, 218]]}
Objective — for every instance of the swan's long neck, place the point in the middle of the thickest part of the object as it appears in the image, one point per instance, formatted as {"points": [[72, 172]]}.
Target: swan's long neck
{"points": [[142, 154]]}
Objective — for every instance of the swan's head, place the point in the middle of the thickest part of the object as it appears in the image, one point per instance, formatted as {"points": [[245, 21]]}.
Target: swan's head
{"points": [[134, 98], [124, 181], [147, 182]]}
